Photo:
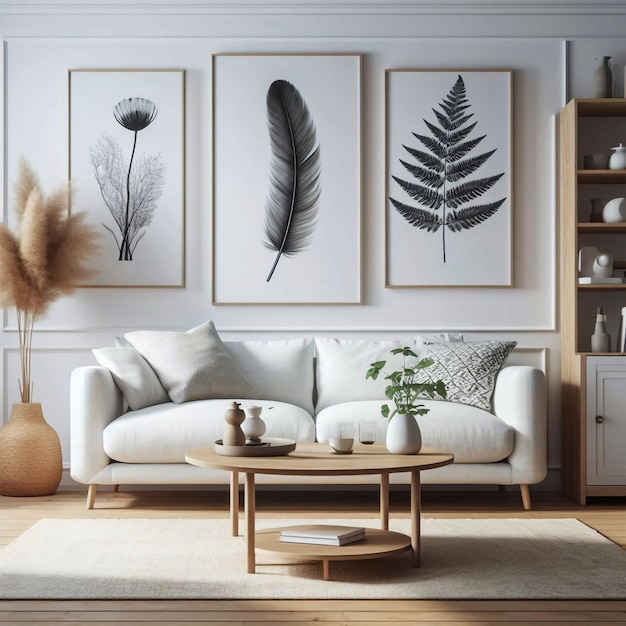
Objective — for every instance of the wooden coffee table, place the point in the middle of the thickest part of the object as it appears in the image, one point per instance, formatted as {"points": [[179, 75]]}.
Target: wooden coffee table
{"points": [[314, 459]]}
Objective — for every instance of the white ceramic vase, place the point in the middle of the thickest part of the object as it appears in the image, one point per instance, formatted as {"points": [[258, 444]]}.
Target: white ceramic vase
{"points": [[617, 160], [403, 435], [253, 426], [614, 211]]}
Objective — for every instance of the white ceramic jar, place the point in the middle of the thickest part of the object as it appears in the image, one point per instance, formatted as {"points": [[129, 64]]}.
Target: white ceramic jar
{"points": [[617, 160], [614, 211]]}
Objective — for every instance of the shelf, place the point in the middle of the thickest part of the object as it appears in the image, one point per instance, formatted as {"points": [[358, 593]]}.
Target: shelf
{"points": [[602, 353], [600, 287], [601, 177], [601, 107], [601, 227]]}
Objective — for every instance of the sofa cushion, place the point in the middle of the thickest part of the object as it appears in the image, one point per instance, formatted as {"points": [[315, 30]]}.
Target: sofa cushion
{"points": [[473, 435], [194, 365], [468, 370], [166, 432], [277, 370], [341, 366], [133, 375]]}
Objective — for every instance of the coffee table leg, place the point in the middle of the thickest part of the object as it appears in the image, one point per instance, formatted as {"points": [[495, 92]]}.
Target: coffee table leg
{"points": [[249, 504], [384, 501], [234, 503], [326, 569], [416, 506]]}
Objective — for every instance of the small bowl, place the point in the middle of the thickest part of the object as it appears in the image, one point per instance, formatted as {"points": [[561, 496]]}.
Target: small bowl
{"points": [[597, 161]]}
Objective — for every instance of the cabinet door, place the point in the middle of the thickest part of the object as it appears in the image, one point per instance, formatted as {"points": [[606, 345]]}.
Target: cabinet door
{"points": [[606, 420]]}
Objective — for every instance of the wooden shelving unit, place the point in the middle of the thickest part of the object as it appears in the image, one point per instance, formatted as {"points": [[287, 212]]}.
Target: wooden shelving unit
{"points": [[577, 301]]}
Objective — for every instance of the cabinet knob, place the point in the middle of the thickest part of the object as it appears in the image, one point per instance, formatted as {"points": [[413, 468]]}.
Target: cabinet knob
{"points": [[599, 419]]}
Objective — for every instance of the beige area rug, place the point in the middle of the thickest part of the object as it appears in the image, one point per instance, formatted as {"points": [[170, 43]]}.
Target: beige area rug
{"points": [[198, 559]]}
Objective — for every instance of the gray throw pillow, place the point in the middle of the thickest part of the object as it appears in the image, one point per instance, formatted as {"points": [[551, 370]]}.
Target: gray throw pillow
{"points": [[469, 369], [194, 365], [133, 375]]}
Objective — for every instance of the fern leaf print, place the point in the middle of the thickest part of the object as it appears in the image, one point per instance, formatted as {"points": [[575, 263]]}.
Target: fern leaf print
{"points": [[442, 193]]}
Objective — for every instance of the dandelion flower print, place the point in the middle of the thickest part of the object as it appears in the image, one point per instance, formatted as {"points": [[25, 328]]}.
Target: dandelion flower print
{"points": [[134, 114]]}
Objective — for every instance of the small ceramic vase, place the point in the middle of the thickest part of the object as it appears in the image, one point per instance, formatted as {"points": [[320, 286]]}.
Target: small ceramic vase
{"points": [[603, 78], [600, 340], [618, 158], [403, 435], [597, 205], [253, 427], [614, 211], [233, 435]]}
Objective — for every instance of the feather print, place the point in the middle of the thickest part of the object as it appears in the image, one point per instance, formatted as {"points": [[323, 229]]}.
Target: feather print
{"points": [[294, 186]]}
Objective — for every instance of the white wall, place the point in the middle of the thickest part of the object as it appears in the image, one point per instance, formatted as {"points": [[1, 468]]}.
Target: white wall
{"points": [[42, 40]]}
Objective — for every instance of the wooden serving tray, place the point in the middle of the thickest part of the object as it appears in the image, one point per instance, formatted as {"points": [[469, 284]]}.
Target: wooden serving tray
{"points": [[273, 447]]}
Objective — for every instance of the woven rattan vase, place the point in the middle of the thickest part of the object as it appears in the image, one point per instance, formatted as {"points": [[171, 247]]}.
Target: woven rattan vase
{"points": [[30, 453]]}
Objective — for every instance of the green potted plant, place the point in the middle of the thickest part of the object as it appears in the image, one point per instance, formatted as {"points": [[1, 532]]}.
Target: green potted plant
{"points": [[405, 390], [45, 259]]}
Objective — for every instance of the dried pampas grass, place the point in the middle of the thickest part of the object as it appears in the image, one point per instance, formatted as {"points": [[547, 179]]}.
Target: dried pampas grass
{"points": [[48, 258]]}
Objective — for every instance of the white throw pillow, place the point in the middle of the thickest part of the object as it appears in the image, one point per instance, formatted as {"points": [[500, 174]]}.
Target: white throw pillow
{"points": [[194, 365], [423, 339], [341, 366], [133, 375], [277, 370], [468, 370]]}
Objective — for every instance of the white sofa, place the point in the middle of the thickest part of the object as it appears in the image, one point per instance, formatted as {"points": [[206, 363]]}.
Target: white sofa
{"points": [[311, 385]]}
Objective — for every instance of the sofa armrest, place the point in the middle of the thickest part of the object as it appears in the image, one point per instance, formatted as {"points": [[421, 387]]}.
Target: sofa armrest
{"points": [[95, 401], [520, 400]]}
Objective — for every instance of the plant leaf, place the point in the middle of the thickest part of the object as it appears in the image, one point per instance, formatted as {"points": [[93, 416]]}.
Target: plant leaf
{"points": [[427, 160], [436, 147], [418, 217], [463, 168], [447, 123], [426, 196], [424, 175], [470, 190], [460, 150], [471, 216]]}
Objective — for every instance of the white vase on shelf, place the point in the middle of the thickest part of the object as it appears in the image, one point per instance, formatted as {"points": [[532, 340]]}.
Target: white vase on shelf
{"points": [[617, 161], [614, 211], [403, 435], [600, 340]]}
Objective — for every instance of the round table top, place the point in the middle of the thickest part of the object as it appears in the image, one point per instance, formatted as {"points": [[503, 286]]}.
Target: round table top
{"points": [[316, 459]]}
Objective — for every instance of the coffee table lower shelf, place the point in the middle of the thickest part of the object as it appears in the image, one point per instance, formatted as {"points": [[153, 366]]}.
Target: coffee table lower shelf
{"points": [[377, 543]]}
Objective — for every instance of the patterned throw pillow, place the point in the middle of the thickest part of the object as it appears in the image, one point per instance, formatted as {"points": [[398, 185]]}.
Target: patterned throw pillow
{"points": [[468, 369]]}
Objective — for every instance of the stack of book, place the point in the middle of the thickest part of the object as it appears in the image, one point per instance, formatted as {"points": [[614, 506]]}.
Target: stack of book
{"points": [[323, 534]]}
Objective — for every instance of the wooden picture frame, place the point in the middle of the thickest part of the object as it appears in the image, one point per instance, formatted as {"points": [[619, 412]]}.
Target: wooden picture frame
{"points": [[127, 169], [284, 123], [449, 192]]}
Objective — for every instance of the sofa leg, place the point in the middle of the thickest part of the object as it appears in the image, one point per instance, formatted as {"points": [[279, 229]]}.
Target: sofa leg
{"points": [[115, 488], [91, 496], [525, 497]]}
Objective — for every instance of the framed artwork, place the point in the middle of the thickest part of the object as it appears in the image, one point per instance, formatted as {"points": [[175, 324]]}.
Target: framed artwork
{"points": [[127, 167], [286, 179], [448, 178]]}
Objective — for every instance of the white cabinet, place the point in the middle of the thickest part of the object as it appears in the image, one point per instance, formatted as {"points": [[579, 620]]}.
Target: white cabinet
{"points": [[606, 420]]}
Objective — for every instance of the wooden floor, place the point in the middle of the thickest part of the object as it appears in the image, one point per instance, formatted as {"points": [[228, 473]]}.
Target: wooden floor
{"points": [[608, 516]]}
